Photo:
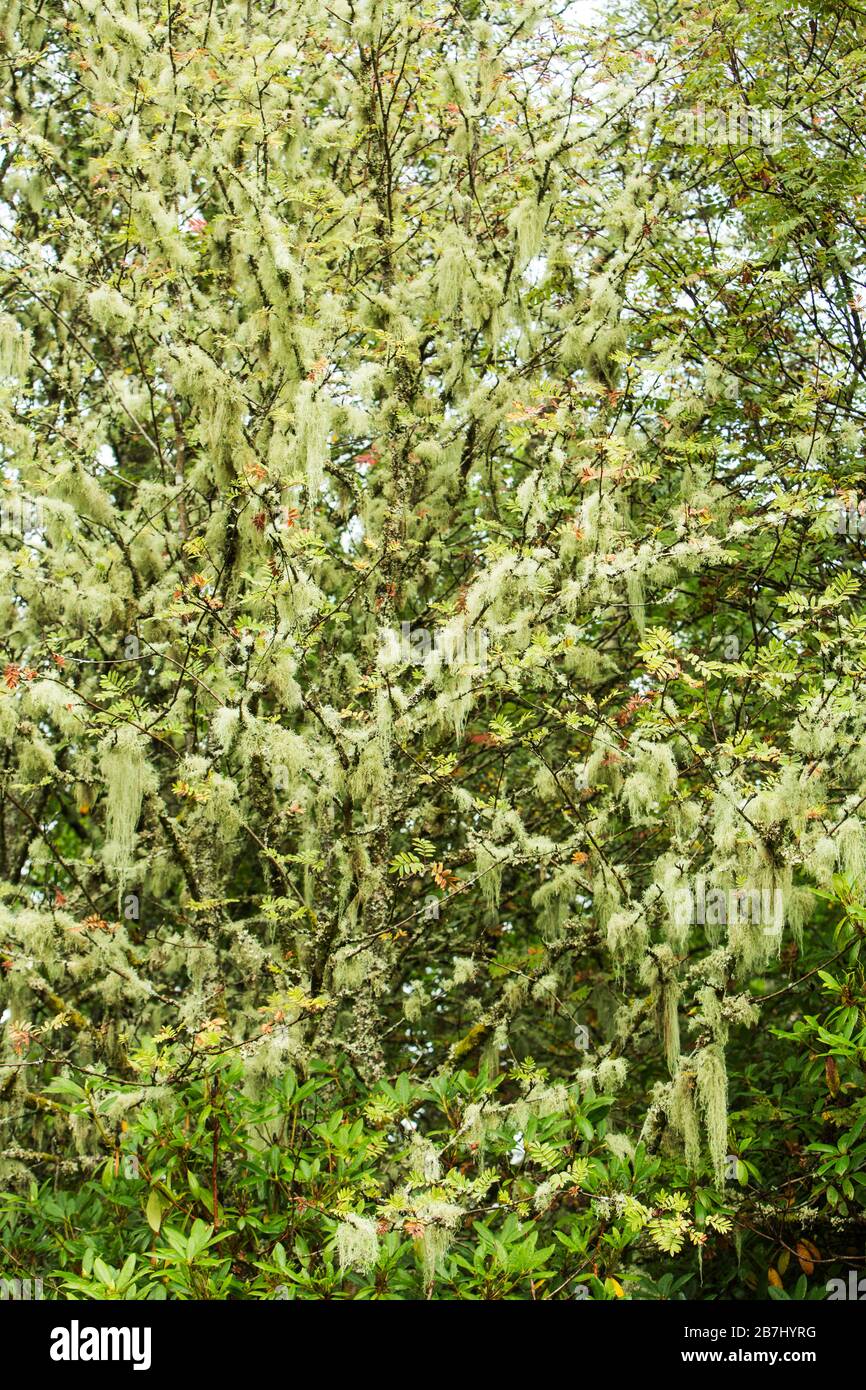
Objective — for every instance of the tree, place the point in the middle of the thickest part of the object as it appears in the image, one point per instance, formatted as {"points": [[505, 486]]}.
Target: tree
{"points": [[431, 439]]}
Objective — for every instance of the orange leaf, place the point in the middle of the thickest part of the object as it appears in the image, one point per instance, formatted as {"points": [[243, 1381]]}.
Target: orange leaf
{"points": [[803, 1255]]}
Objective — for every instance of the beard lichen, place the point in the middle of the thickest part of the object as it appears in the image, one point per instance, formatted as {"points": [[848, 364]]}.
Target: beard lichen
{"points": [[127, 778]]}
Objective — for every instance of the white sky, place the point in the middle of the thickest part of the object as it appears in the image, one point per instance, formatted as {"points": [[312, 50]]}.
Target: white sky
{"points": [[586, 11]]}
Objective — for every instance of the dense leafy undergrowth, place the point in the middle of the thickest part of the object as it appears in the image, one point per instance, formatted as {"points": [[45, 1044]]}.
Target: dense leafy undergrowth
{"points": [[303, 1191]]}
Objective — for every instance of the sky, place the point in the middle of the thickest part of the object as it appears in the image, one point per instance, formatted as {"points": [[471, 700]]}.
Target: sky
{"points": [[585, 11]]}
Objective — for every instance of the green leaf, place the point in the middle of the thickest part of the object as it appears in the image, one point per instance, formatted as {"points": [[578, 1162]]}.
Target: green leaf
{"points": [[198, 1239], [154, 1210]]}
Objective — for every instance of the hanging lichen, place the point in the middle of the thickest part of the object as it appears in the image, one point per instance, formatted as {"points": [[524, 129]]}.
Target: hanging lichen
{"points": [[712, 1084], [357, 1243], [127, 778], [682, 1115]]}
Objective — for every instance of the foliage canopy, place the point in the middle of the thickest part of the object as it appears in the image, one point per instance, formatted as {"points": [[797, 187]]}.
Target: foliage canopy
{"points": [[431, 814]]}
